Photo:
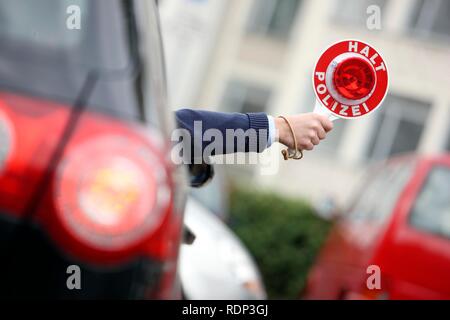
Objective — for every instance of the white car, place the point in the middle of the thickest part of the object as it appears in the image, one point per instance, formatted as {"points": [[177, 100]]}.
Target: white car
{"points": [[216, 266]]}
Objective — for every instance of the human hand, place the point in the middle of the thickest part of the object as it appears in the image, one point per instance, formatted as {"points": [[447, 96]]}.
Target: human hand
{"points": [[309, 128]]}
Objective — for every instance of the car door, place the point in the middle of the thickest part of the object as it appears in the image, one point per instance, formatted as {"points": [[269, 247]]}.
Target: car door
{"points": [[356, 239], [418, 255]]}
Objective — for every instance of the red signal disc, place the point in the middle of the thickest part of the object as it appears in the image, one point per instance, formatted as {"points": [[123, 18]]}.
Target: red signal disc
{"points": [[351, 79], [354, 78]]}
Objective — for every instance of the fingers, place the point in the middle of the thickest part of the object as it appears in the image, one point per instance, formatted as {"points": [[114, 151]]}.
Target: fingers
{"points": [[315, 139], [307, 145], [319, 127], [321, 133], [309, 129], [327, 124]]}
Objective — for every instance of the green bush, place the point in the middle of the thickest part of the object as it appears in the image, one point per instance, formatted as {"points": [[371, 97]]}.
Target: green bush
{"points": [[282, 234]]}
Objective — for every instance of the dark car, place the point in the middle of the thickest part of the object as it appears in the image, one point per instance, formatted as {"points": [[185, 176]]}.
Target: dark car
{"points": [[86, 181]]}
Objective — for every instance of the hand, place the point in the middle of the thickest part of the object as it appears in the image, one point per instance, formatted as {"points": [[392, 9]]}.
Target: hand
{"points": [[309, 128]]}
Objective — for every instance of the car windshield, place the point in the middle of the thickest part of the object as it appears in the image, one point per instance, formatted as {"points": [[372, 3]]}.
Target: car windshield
{"points": [[49, 48], [380, 192], [70, 30], [431, 211]]}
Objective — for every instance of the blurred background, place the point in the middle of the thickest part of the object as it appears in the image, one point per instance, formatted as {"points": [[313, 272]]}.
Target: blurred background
{"points": [[258, 56]]}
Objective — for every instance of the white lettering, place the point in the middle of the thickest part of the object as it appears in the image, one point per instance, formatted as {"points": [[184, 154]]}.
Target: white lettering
{"points": [[374, 19], [353, 46], [344, 110], [73, 21], [322, 89], [334, 106], [320, 76], [193, 310], [381, 67], [365, 51], [366, 107], [373, 58], [325, 100], [356, 111]]}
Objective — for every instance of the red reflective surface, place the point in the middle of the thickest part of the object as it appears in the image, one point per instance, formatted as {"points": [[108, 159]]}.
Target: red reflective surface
{"points": [[354, 78]]}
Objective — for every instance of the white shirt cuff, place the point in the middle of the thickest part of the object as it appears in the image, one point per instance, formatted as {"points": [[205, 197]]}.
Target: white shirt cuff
{"points": [[272, 131]]}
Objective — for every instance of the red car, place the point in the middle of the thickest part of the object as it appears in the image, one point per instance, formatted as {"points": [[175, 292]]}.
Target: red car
{"points": [[397, 231], [86, 180]]}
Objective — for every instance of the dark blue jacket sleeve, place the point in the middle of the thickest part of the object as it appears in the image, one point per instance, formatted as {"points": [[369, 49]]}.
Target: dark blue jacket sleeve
{"points": [[204, 120]]}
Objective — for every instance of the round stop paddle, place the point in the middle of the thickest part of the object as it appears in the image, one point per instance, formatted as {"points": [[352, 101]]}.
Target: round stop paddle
{"points": [[350, 80]]}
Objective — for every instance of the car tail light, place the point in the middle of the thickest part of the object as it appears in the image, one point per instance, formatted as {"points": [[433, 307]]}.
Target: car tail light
{"points": [[26, 148], [354, 78], [112, 193]]}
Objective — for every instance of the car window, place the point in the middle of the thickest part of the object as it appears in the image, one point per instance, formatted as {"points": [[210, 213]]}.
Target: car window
{"points": [[74, 31], [21, 20], [431, 210], [44, 55], [383, 188], [392, 190]]}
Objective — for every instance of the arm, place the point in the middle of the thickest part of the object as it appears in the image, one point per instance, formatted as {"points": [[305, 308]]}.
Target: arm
{"points": [[310, 129], [188, 119]]}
